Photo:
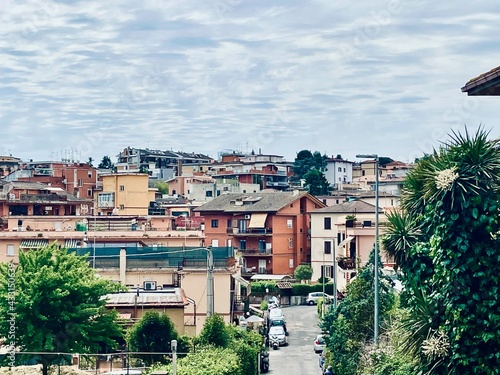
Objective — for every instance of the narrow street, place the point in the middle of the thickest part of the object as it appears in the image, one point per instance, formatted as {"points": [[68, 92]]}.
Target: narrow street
{"points": [[298, 358]]}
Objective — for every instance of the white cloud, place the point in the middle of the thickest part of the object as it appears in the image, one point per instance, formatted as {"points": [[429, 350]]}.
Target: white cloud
{"points": [[205, 76]]}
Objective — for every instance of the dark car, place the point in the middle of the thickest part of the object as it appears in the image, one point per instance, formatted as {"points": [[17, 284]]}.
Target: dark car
{"points": [[278, 322]]}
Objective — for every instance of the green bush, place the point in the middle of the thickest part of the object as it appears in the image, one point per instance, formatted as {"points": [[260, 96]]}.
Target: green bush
{"points": [[261, 286]]}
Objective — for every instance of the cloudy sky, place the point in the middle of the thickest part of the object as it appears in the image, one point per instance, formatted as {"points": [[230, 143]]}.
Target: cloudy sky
{"points": [[89, 78]]}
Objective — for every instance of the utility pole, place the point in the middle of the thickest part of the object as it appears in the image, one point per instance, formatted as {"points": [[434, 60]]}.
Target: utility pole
{"points": [[173, 345], [210, 282]]}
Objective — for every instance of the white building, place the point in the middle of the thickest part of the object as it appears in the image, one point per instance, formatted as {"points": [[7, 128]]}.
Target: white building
{"points": [[334, 237], [339, 172]]}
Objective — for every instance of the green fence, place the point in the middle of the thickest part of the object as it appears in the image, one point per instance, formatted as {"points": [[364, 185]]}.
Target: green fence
{"points": [[156, 257]]}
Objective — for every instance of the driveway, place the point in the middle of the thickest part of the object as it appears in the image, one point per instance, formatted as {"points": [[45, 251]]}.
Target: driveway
{"points": [[298, 358]]}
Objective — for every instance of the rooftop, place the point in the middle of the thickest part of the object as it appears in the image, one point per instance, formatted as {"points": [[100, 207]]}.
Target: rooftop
{"points": [[352, 207], [486, 84]]}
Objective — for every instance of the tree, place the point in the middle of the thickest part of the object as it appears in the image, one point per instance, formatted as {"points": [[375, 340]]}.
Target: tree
{"points": [[153, 333], [384, 160], [106, 163], [214, 332], [303, 272], [58, 305], [162, 187], [306, 160], [451, 274], [350, 326], [316, 182]]}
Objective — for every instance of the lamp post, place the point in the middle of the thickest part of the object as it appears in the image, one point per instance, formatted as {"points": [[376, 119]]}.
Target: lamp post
{"points": [[376, 307], [210, 282], [334, 275]]}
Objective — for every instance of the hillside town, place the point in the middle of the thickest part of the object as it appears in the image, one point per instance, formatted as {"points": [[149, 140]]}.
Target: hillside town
{"points": [[258, 223]]}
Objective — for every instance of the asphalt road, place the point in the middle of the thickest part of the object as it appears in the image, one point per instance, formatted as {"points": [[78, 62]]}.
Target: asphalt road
{"points": [[298, 358]]}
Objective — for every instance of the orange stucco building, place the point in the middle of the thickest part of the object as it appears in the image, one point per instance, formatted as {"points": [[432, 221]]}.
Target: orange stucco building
{"points": [[269, 230]]}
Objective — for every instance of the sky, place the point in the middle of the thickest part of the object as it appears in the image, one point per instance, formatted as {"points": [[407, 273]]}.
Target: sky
{"points": [[82, 79]]}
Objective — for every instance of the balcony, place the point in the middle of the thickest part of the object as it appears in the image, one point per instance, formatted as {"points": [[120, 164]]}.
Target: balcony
{"points": [[346, 263], [250, 231], [255, 252]]}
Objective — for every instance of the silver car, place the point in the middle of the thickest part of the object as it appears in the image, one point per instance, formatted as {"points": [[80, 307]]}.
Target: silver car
{"points": [[278, 333], [319, 343], [312, 298]]}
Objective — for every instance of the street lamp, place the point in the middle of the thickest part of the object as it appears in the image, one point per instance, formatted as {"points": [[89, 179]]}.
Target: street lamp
{"points": [[376, 315]]}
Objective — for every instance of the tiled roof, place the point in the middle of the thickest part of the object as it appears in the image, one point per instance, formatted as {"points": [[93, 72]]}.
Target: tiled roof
{"points": [[351, 207], [484, 75], [255, 202]]}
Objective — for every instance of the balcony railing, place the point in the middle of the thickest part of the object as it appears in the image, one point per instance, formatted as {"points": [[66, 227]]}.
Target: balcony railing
{"points": [[346, 263], [255, 252], [249, 231]]}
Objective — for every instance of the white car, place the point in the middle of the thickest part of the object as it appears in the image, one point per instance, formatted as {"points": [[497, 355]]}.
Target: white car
{"points": [[312, 298], [278, 333], [275, 314], [319, 343]]}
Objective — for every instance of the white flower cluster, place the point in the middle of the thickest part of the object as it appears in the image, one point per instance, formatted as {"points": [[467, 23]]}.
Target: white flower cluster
{"points": [[436, 346], [445, 178]]}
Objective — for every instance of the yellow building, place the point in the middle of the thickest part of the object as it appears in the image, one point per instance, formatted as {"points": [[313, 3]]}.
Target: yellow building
{"points": [[124, 194]]}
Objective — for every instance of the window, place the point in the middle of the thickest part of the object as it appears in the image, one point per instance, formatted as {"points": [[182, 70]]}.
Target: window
{"points": [[122, 187], [328, 223], [89, 192], [208, 193], [290, 263], [262, 244], [90, 174], [10, 250], [340, 169], [328, 247], [289, 223], [215, 223], [327, 271], [344, 170], [339, 240], [229, 222], [290, 242], [244, 191], [243, 244], [80, 182], [122, 207]]}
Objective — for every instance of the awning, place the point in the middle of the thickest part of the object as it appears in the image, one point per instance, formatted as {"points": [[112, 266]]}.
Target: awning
{"points": [[258, 221], [241, 280], [346, 241], [33, 244]]}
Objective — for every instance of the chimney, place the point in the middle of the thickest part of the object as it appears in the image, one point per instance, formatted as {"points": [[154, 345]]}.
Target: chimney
{"points": [[179, 167]]}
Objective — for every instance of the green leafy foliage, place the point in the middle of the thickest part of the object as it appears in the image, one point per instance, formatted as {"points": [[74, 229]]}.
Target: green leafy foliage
{"points": [[57, 305], [306, 161], [106, 163], [451, 273], [303, 272], [215, 332], [162, 187], [350, 326], [153, 333], [316, 182], [261, 286]]}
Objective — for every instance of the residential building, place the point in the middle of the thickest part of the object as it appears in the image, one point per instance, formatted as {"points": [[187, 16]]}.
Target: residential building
{"points": [[345, 232], [36, 199], [124, 194], [9, 164], [78, 179], [159, 164], [270, 230], [365, 168], [338, 172], [134, 304], [201, 189]]}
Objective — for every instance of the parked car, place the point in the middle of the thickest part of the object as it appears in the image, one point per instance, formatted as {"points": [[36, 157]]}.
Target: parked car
{"points": [[312, 298], [278, 322], [276, 314], [319, 343], [278, 333], [322, 357]]}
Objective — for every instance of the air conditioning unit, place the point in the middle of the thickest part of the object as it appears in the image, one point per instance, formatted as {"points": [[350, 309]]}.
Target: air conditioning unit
{"points": [[12, 197], [149, 285], [247, 217]]}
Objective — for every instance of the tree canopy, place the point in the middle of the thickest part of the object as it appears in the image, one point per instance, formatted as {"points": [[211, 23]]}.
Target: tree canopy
{"points": [[303, 272], [153, 333], [106, 163], [446, 242], [58, 305]]}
